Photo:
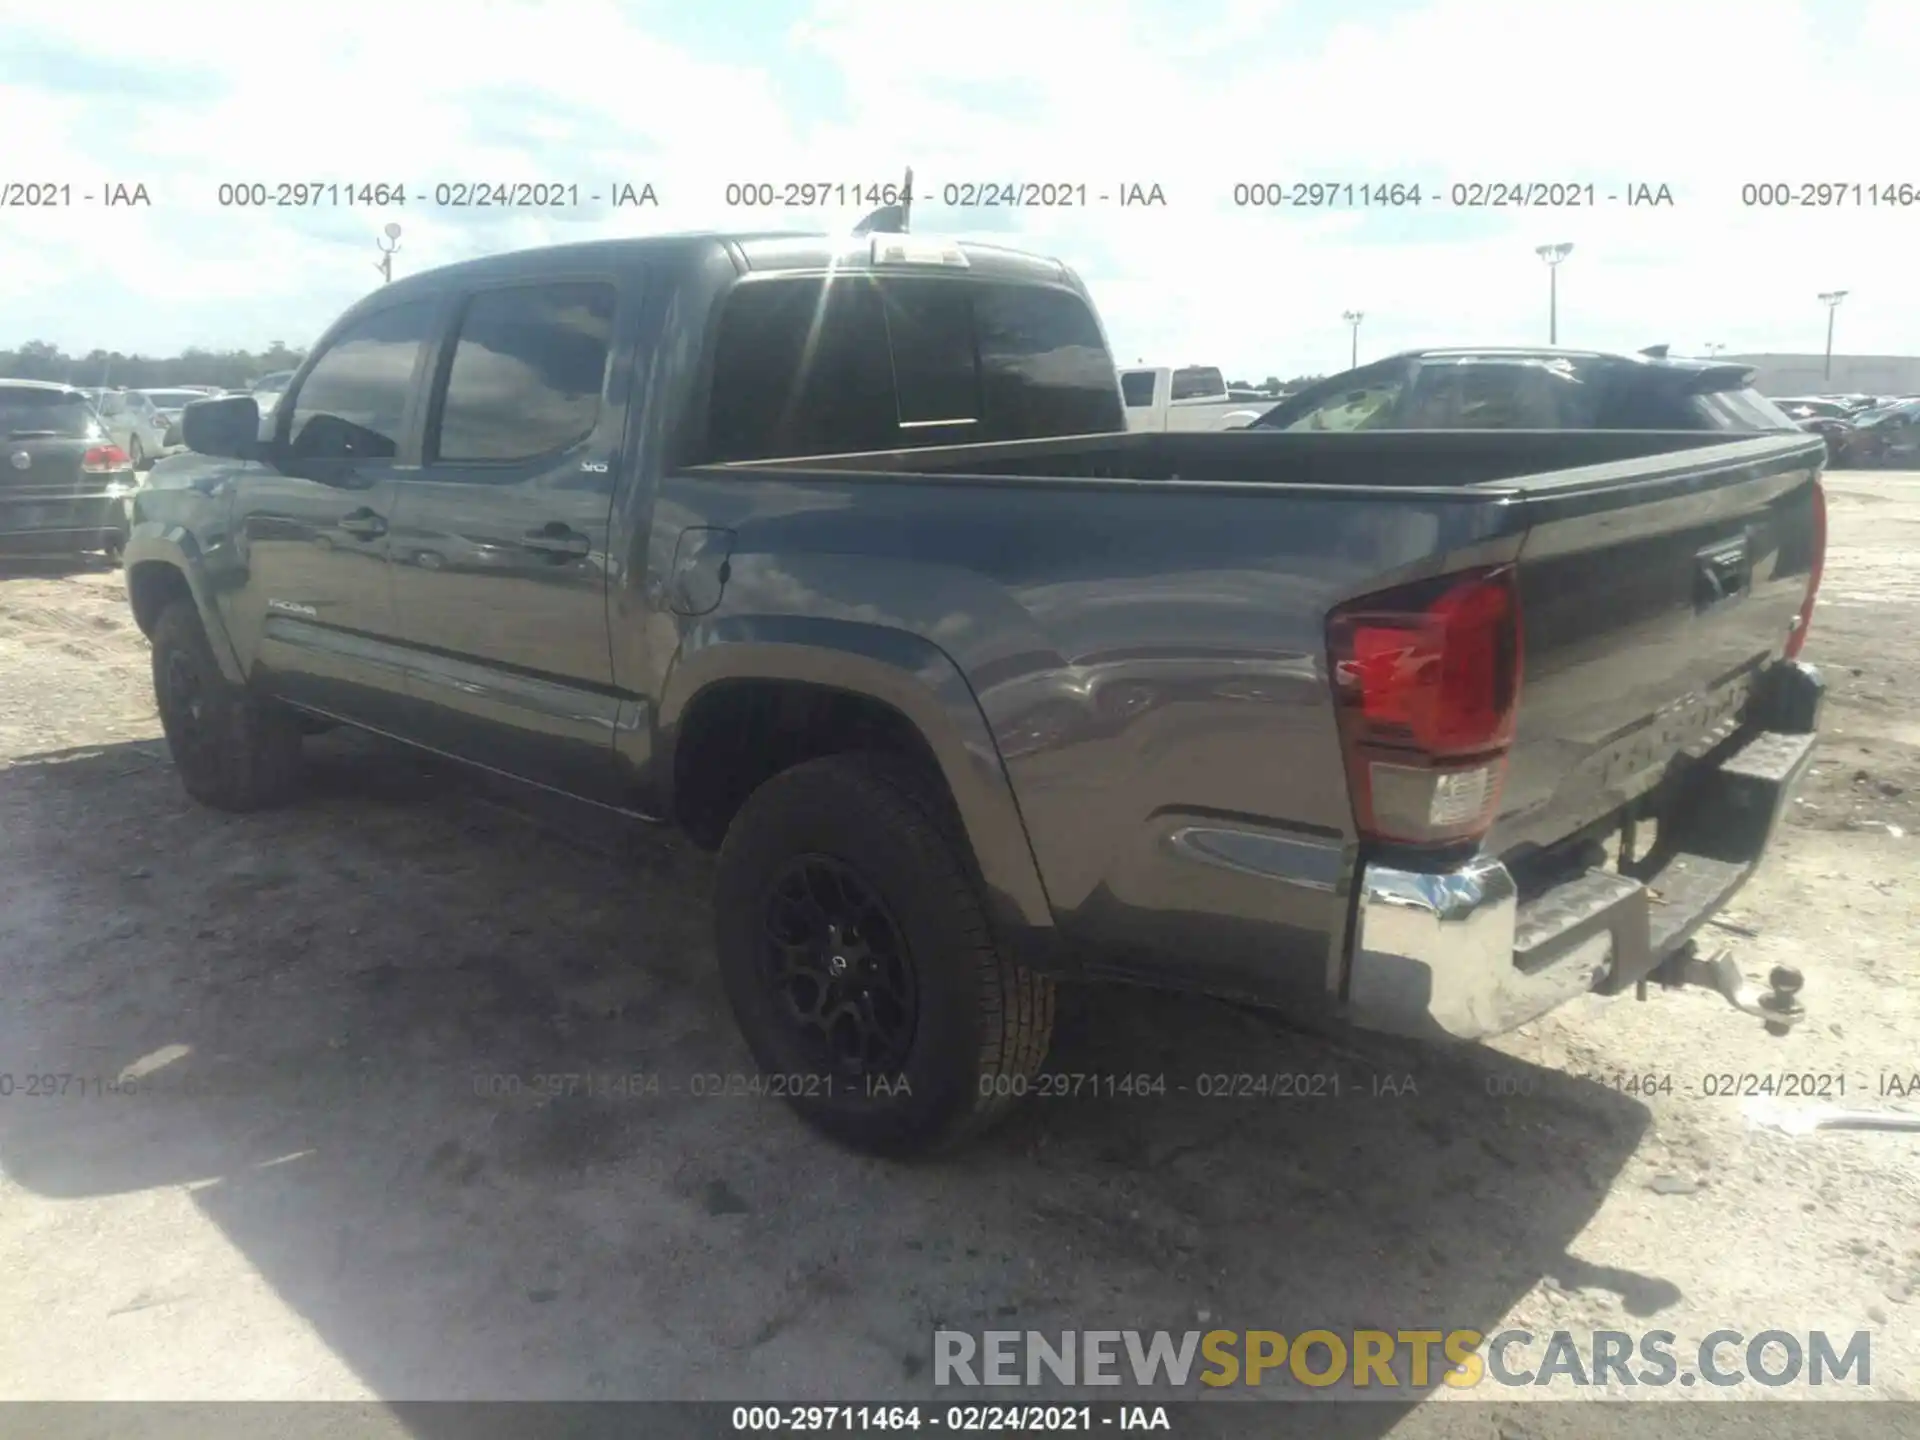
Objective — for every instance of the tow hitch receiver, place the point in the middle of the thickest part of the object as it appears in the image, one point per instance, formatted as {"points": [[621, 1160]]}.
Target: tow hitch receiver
{"points": [[1779, 1005]]}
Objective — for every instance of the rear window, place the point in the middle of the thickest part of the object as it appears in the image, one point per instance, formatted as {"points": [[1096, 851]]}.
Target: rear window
{"points": [[25, 410], [1199, 382], [1136, 388], [804, 367]]}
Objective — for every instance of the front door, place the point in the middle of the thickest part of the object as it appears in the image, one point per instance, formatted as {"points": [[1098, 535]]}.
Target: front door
{"points": [[499, 543], [314, 613]]}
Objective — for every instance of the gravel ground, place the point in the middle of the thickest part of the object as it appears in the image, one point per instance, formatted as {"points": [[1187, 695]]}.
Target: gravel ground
{"points": [[341, 1179]]}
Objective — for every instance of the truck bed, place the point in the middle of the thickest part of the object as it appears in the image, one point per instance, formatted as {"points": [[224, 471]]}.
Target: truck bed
{"points": [[1142, 619]]}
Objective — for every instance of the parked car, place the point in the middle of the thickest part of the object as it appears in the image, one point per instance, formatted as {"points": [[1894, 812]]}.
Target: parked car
{"points": [[63, 479], [268, 389], [683, 527], [1802, 407], [1829, 419], [1192, 397], [1503, 388], [1886, 438], [167, 405], [132, 421]]}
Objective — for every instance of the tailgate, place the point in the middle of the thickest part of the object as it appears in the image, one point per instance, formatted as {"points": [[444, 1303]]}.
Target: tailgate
{"points": [[1649, 602]]}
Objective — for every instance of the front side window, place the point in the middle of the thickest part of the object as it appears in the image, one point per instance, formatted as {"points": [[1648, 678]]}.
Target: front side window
{"points": [[527, 373], [1505, 394], [1362, 401], [353, 402]]}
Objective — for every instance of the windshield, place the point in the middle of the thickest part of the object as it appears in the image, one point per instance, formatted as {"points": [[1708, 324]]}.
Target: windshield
{"points": [[28, 410], [272, 383], [173, 399]]}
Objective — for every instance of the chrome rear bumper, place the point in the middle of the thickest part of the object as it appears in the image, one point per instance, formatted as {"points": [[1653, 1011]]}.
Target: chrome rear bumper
{"points": [[1460, 955]]}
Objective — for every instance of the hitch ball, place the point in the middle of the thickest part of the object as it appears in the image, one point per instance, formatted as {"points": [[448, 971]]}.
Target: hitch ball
{"points": [[1782, 1002]]}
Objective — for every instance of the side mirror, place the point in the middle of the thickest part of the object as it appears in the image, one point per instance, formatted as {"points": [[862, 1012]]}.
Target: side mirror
{"points": [[227, 428]]}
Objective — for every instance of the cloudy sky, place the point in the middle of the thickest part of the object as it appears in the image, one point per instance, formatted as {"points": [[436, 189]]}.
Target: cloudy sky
{"points": [[1701, 96]]}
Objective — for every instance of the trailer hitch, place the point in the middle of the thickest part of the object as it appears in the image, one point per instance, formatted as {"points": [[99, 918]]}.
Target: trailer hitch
{"points": [[1778, 1005]]}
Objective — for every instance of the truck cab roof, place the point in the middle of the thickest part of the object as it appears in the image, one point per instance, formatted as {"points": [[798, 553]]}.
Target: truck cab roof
{"points": [[750, 252]]}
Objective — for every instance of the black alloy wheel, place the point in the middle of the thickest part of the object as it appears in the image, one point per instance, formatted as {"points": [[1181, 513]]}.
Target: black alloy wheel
{"points": [[839, 963]]}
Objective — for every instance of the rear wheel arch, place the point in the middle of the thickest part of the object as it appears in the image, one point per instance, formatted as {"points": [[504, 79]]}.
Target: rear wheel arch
{"points": [[720, 735]]}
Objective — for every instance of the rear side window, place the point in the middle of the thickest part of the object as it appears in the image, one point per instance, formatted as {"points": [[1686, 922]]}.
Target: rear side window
{"points": [[527, 373], [1655, 402], [803, 367], [1136, 388], [353, 402], [26, 410], [1199, 382], [1741, 410]]}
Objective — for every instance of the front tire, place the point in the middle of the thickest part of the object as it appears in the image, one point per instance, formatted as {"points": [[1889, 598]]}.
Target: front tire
{"points": [[857, 956], [234, 750]]}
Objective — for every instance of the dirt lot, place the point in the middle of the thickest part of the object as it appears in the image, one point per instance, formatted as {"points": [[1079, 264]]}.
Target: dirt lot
{"points": [[339, 1181]]}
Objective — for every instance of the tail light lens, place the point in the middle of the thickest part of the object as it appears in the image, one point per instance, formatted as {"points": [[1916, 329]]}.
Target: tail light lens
{"points": [[101, 459], [1426, 682], [1797, 638]]}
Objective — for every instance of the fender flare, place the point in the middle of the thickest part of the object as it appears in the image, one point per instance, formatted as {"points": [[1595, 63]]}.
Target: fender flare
{"points": [[897, 668], [174, 547]]}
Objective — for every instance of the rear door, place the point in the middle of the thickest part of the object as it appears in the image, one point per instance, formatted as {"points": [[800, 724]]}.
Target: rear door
{"points": [[499, 545]]}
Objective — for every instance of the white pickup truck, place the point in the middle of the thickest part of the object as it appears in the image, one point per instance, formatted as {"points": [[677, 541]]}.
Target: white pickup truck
{"points": [[1190, 397]]}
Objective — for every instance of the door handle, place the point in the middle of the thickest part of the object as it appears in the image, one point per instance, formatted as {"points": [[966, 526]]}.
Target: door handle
{"points": [[558, 541], [363, 524]]}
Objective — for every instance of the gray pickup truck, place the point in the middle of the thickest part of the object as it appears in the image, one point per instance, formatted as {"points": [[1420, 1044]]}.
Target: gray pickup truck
{"points": [[836, 554]]}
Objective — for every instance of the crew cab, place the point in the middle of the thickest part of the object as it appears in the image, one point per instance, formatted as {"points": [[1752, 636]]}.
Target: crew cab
{"points": [[836, 554], [1190, 397]]}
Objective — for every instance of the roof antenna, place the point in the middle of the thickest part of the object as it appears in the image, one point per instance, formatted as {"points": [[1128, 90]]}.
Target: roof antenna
{"points": [[891, 219]]}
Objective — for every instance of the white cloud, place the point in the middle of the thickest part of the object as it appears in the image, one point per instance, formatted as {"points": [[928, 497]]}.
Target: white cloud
{"points": [[1701, 96]]}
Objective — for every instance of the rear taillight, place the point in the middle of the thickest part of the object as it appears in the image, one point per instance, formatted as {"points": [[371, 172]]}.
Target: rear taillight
{"points": [[103, 458], [1797, 639], [1426, 683]]}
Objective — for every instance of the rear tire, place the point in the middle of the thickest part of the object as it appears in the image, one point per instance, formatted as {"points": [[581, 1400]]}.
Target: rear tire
{"points": [[977, 1023], [234, 750]]}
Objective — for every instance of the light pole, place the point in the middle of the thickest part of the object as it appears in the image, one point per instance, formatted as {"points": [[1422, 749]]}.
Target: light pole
{"points": [[387, 246], [1553, 255], [1353, 319], [1831, 299], [1714, 347]]}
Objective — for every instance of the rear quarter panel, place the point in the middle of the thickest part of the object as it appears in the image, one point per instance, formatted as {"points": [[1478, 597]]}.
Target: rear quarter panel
{"points": [[1147, 659]]}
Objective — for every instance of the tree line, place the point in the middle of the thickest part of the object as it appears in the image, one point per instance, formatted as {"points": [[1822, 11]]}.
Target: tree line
{"points": [[38, 360], [1274, 385]]}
